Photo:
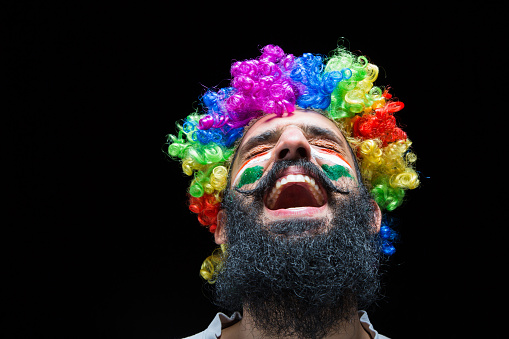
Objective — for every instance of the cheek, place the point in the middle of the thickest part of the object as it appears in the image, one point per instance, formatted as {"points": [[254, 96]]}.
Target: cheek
{"points": [[335, 172], [334, 164], [252, 170]]}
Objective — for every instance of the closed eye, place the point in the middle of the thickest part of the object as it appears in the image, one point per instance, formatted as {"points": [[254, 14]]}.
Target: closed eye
{"points": [[257, 151], [328, 144]]}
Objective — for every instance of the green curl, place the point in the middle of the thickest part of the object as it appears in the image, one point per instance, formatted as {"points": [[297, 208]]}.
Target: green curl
{"points": [[196, 189], [338, 107], [202, 179], [387, 197]]}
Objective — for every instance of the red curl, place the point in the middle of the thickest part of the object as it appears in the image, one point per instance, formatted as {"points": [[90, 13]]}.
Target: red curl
{"points": [[380, 125], [207, 208], [386, 94]]}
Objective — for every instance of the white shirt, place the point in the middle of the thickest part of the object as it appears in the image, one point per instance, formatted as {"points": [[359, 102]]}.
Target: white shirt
{"points": [[221, 321]]}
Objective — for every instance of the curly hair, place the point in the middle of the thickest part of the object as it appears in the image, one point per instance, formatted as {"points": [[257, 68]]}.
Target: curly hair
{"points": [[341, 86]]}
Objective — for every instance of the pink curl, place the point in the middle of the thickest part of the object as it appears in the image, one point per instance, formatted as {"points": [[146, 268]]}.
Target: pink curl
{"points": [[262, 85], [272, 53], [213, 120]]}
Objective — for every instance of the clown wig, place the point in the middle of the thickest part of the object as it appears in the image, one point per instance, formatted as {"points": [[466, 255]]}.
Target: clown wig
{"points": [[340, 86]]}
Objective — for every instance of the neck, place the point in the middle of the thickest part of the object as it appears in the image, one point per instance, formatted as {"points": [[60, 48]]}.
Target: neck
{"points": [[246, 328]]}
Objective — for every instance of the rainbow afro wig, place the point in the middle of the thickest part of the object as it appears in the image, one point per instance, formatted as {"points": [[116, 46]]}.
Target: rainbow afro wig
{"points": [[340, 86]]}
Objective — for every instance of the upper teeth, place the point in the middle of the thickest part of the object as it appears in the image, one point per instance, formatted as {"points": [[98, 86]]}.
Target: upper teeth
{"points": [[276, 190]]}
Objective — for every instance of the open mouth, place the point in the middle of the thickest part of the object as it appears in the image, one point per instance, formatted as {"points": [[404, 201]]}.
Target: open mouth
{"points": [[293, 191]]}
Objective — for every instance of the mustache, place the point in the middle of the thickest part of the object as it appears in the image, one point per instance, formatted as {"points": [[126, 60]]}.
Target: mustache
{"points": [[269, 180]]}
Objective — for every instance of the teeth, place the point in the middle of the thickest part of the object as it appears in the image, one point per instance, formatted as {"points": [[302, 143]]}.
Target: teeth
{"points": [[276, 190]]}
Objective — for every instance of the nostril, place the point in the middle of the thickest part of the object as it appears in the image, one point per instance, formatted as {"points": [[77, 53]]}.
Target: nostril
{"points": [[283, 153], [302, 152]]}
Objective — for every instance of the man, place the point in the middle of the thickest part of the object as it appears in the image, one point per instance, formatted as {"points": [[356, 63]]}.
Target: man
{"points": [[298, 212]]}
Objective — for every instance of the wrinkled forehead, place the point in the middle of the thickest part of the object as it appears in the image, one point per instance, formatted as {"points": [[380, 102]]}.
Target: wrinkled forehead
{"points": [[299, 117]]}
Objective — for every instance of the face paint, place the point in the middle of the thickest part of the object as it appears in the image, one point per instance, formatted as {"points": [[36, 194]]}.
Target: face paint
{"points": [[340, 167], [336, 171], [250, 175], [255, 169]]}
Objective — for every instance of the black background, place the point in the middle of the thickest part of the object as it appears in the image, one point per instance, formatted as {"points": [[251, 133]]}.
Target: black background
{"points": [[97, 238]]}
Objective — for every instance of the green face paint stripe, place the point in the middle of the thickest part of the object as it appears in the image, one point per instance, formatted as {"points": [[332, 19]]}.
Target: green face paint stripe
{"points": [[335, 172], [250, 175]]}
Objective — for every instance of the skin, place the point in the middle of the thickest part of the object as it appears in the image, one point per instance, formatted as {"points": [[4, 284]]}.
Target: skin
{"points": [[292, 136]]}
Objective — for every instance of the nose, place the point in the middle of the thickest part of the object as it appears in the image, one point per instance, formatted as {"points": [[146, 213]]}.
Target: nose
{"points": [[292, 145]]}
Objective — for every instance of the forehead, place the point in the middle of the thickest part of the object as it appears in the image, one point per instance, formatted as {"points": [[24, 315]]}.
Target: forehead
{"points": [[298, 118]]}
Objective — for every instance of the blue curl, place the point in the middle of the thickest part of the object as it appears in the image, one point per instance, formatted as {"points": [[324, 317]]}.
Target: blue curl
{"points": [[387, 237], [208, 136], [224, 136], [214, 103], [209, 99], [318, 86], [388, 248], [388, 233], [233, 136]]}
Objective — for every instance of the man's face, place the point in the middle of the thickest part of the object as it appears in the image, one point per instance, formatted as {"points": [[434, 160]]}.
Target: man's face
{"points": [[300, 229], [304, 136]]}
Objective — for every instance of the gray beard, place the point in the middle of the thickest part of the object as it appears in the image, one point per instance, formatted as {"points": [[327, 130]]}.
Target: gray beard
{"points": [[295, 283]]}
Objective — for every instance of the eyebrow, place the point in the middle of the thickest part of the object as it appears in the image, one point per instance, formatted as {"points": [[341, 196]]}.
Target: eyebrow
{"points": [[271, 136], [316, 131]]}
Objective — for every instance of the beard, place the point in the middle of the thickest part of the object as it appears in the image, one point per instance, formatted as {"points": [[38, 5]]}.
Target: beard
{"points": [[300, 277]]}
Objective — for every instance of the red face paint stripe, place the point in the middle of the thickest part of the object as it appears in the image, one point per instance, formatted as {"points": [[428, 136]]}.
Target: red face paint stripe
{"points": [[254, 158], [329, 151]]}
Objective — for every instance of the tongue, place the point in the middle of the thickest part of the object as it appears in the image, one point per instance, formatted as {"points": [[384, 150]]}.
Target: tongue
{"points": [[295, 196]]}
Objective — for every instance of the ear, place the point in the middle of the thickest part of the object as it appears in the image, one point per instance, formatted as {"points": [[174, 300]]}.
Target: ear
{"points": [[219, 233], [377, 217]]}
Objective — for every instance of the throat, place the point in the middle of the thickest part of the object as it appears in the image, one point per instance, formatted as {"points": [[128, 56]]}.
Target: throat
{"points": [[296, 196]]}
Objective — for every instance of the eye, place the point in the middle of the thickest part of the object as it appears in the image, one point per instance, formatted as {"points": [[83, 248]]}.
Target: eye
{"points": [[328, 144], [257, 151]]}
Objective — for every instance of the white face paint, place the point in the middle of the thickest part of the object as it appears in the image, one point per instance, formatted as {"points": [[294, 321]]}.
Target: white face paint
{"points": [[255, 161], [326, 155], [331, 157]]}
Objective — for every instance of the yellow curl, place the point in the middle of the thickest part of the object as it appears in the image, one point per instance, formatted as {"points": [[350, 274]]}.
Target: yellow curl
{"points": [[372, 73], [378, 103], [207, 187], [371, 151], [364, 86], [219, 177], [406, 180], [393, 162], [411, 157], [208, 179], [355, 96], [189, 164], [213, 264]]}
